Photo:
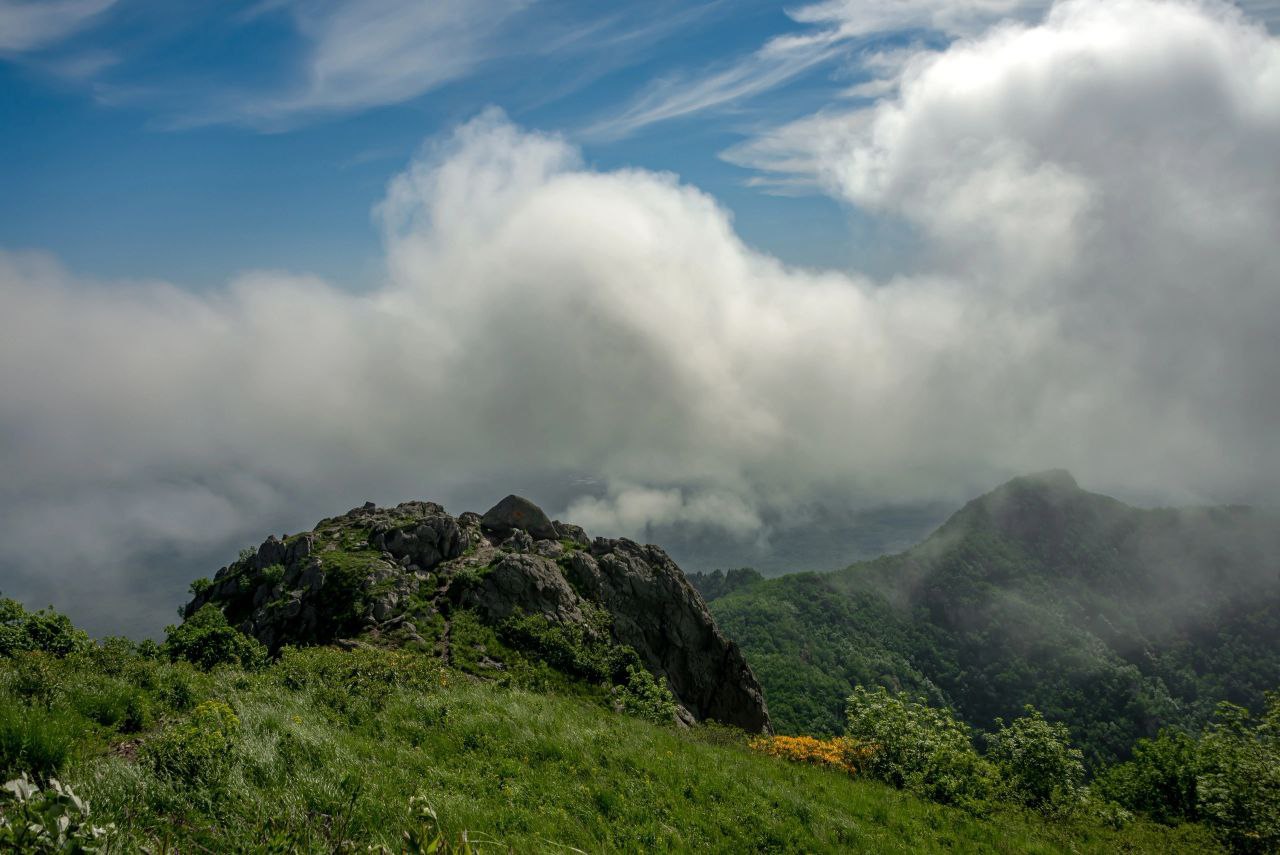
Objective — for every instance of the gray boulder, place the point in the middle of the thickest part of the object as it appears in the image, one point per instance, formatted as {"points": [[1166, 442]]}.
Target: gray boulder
{"points": [[517, 512]]}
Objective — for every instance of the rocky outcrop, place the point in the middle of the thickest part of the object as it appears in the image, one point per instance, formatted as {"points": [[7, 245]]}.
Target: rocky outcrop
{"points": [[401, 575]]}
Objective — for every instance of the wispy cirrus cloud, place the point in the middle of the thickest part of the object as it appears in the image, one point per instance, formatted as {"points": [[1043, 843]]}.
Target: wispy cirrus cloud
{"points": [[372, 53], [28, 25], [778, 62], [837, 28]]}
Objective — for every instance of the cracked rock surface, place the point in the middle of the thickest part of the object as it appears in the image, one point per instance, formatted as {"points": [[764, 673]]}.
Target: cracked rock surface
{"points": [[400, 575]]}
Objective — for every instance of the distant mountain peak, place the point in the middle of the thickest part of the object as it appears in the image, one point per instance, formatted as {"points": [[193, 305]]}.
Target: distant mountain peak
{"points": [[1050, 479]]}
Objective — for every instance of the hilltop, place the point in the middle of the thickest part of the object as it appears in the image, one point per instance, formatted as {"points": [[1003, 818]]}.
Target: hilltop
{"points": [[1114, 619], [509, 595]]}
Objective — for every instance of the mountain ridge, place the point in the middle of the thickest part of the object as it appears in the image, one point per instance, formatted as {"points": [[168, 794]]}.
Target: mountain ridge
{"points": [[1115, 619]]}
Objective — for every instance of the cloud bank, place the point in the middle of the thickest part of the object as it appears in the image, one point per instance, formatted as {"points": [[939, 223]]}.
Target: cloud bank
{"points": [[1096, 206]]}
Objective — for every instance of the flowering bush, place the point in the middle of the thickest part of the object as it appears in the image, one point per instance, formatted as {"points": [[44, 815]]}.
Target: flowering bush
{"points": [[842, 753]]}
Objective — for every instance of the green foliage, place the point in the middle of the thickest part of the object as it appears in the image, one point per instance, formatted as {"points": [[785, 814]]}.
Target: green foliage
{"points": [[1160, 780], [199, 586], [582, 651], [917, 747], [355, 685], [48, 821], [1037, 766], [505, 769], [644, 697], [46, 631], [1114, 620], [273, 574], [207, 640], [1238, 788], [199, 750], [34, 739]]}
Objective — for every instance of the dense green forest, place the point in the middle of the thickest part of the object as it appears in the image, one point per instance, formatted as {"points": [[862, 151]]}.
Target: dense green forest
{"points": [[1115, 620]]}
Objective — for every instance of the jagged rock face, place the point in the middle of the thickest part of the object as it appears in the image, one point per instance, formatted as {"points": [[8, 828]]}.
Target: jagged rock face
{"points": [[390, 573]]}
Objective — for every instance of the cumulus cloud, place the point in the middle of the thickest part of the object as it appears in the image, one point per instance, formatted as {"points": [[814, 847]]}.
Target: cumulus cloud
{"points": [[1096, 212]]}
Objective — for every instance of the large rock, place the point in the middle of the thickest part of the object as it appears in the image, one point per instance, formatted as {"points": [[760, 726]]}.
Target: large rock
{"points": [[397, 574], [517, 512]]}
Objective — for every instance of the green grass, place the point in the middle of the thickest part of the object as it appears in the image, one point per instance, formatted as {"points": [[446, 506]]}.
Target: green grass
{"points": [[331, 747]]}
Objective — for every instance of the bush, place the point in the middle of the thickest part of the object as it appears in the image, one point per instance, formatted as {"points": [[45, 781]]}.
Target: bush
{"points": [[35, 677], [840, 753], [110, 702], [570, 647], [199, 751], [644, 697], [1238, 786], [1160, 780], [916, 747], [1038, 768], [206, 639], [34, 740], [46, 631]]}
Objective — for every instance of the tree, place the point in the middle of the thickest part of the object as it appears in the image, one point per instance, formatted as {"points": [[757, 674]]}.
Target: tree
{"points": [[206, 639], [1160, 780], [45, 630], [1239, 782], [1038, 767], [916, 747]]}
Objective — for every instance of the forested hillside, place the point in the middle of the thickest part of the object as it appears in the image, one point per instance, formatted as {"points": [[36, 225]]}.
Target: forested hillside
{"points": [[1114, 619]]}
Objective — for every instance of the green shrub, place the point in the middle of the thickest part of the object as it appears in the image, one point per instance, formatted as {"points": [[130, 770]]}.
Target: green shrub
{"points": [[643, 696], [110, 702], [1238, 786], [206, 639], [1160, 780], [917, 747], [1038, 768], [45, 630], [35, 676], [176, 689], [33, 739], [200, 750]]}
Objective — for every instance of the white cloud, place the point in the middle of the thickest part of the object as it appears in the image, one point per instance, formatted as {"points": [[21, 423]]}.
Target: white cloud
{"points": [[837, 27], [27, 25], [952, 17], [370, 53], [1095, 200], [778, 62]]}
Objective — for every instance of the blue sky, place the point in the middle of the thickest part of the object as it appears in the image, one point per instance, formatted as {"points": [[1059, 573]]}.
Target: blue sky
{"points": [[714, 269], [140, 141]]}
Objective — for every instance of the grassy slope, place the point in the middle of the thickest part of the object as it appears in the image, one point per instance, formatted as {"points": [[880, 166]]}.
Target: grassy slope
{"points": [[532, 772]]}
